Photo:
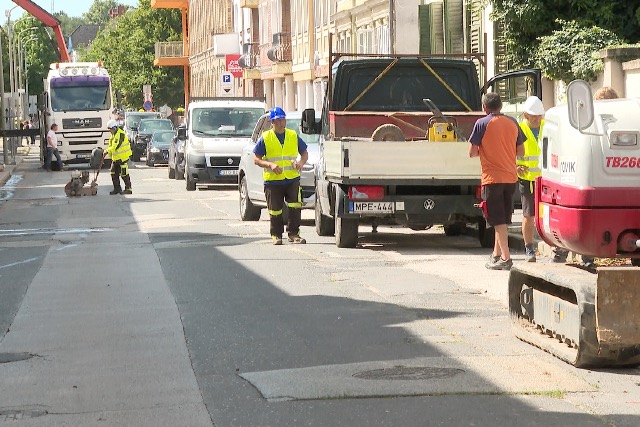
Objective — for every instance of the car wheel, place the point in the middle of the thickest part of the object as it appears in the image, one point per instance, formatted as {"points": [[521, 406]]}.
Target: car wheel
{"points": [[172, 173], [248, 211], [191, 184], [346, 228], [325, 226]]}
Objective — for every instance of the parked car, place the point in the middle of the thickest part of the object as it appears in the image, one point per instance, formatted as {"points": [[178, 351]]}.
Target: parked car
{"points": [[146, 128], [251, 182], [158, 147], [176, 154], [132, 121], [217, 130]]}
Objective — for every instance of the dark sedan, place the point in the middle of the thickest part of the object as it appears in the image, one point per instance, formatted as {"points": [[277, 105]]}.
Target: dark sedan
{"points": [[176, 154], [158, 147], [146, 128]]}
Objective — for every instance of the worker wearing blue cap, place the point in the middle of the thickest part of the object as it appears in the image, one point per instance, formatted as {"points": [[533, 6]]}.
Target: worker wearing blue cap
{"points": [[282, 154]]}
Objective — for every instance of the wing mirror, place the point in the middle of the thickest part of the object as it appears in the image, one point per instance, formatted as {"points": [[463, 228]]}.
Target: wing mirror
{"points": [[308, 121], [182, 133]]}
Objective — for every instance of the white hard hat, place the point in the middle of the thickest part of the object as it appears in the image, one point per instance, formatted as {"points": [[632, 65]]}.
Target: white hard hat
{"points": [[112, 124], [533, 106]]}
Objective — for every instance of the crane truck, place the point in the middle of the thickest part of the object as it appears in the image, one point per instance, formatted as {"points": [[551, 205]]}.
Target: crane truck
{"points": [[587, 201], [77, 97]]}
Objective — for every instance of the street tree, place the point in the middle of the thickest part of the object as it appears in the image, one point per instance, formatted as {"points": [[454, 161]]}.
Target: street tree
{"points": [[127, 48], [98, 12]]}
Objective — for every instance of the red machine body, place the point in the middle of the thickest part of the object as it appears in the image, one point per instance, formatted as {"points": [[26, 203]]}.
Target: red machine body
{"points": [[50, 21]]}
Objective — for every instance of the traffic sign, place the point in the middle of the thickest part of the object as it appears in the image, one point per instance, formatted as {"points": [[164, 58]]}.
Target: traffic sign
{"points": [[226, 84], [148, 105]]}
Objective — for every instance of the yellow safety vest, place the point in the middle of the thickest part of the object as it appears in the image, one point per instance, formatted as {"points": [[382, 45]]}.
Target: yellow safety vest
{"points": [[531, 153], [282, 154], [122, 152]]}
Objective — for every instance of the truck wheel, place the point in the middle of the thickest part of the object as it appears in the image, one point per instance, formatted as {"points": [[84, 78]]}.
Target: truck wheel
{"points": [[387, 132], [172, 173], [191, 184], [248, 211], [346, 229], [486, 235], [454, 229], [325, 226]]}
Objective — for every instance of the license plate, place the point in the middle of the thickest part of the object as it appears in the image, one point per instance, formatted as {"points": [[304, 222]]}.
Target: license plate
{"points": [[372, 207], [83, 156], [228, 172]]}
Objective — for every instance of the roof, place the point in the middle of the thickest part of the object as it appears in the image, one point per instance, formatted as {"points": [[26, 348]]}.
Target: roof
{"points": [[83, 35]]}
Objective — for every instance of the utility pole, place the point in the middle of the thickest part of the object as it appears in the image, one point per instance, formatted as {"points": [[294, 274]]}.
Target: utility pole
{"points": [[5, 148]]}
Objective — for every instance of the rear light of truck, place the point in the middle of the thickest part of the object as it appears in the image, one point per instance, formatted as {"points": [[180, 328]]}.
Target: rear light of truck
{"points": [[366, 192]]}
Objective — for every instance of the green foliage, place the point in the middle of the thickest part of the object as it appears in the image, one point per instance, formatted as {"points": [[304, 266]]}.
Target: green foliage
{"points": [[98, 13], [127, 49], [526, 24], [572, 51], [68, 23]]}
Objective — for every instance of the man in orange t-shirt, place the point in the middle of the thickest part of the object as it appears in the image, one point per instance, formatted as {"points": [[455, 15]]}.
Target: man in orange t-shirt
{"points": [[497, 139]]}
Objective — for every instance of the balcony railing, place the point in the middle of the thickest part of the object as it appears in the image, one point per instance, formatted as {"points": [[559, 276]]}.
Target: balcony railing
{"points": [[280, 48], [169, 49]]}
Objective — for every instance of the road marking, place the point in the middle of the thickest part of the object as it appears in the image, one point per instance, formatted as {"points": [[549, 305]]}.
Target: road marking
{"points": [[13, 264]]}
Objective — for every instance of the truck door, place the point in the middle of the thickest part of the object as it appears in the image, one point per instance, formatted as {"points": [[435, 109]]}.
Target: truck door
{"points": [[514, 88]]}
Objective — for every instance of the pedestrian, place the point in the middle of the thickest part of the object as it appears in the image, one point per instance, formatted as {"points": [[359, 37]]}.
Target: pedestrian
{"points": [[277, 152], [497, 139], [30, 125], [119, 150], [560, 255], [52, 148], [528, 169]]}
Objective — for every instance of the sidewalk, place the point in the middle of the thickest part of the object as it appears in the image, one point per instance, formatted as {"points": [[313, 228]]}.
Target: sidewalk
{"points": [[6, 171]]}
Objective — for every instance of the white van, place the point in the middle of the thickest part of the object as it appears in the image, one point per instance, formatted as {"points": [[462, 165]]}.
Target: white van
{"points": [[217, 130]]}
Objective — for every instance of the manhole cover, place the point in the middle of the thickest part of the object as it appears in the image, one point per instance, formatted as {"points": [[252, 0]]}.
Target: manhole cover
{"points": [[408, 373], [14, 357]]}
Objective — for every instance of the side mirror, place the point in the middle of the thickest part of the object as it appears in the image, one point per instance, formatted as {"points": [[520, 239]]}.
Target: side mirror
{"points": [[580, 105], [182, 134], [308, 121]]}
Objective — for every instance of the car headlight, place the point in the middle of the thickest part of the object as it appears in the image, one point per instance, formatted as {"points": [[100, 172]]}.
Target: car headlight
{"points": [[195, 144], [155, 150]]}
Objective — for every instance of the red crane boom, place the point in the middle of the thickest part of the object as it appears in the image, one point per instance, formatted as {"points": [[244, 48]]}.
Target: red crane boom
{"points": [[50, 21]]}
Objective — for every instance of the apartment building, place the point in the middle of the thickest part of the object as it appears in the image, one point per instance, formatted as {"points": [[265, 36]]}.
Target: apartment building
{"points": [[281, 47]]}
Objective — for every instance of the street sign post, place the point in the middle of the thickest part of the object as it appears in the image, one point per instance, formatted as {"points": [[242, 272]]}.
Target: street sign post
{"points": [[227, 87]]}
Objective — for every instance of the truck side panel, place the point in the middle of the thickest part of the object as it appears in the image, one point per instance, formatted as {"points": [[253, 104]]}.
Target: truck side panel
{"points": [[399, 160]]}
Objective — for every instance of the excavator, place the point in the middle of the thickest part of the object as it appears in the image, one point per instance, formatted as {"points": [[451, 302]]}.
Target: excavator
{"points": [[50, 21], [587, 201]]}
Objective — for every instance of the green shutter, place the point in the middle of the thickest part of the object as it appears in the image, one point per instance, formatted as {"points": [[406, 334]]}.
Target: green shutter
{"points": [[454, 26], [424, 25]]}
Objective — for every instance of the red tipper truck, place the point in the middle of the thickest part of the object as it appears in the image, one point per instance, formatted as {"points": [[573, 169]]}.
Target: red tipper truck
{"points": [[394, 146]]}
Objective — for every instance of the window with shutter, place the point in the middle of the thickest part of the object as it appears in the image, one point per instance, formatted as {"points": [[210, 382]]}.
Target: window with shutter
{"points": [[424, 26], [454, 26], [475, 35]]}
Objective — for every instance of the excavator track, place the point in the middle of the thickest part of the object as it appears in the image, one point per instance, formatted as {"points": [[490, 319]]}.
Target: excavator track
{"points": [[585, 319]]}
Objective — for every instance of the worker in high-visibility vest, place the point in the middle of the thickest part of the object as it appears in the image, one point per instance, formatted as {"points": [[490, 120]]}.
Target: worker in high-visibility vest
{"points": [[528, 169], [277, 152], [119, 150]]}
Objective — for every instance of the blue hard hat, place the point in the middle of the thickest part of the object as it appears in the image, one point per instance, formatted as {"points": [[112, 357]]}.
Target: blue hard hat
{"points": [[277, 113]]}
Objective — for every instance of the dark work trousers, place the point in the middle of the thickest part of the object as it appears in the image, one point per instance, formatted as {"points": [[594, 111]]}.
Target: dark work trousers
{"points": [[120, 168], [276, 196]]}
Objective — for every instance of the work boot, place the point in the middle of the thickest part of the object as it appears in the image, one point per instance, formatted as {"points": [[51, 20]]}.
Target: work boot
{"points": [[115, 191], [277, 241], [127, 191], [295, 238], [530, 253]]}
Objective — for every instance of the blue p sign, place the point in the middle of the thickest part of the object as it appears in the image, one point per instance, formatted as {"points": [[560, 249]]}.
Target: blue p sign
{"points": [[226, 78]]}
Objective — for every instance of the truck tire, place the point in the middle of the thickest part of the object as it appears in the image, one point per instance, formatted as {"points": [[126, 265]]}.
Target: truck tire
{"points": [[248, 211], [486, 235], [172, 173], [325, 226], [346, 229], [387, 132]]}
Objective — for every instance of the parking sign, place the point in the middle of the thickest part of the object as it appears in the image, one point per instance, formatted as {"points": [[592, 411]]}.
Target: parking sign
{"points": [[226, 84]]}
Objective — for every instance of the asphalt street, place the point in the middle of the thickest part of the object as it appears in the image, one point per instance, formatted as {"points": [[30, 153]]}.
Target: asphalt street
{"points": [[163, 308]]}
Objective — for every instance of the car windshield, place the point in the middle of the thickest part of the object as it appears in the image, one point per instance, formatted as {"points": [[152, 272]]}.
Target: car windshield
{"points": [[133, 120], [225, 122], [149, 126], [294, 123], [86, 95], [162, 139]]}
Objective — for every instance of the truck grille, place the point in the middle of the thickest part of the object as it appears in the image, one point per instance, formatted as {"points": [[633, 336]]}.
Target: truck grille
{"points": [[225, 161], [89, 123]]}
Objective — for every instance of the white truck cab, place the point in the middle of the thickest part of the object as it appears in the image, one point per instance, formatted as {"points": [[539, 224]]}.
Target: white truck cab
{"points": [[216, 131]]}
